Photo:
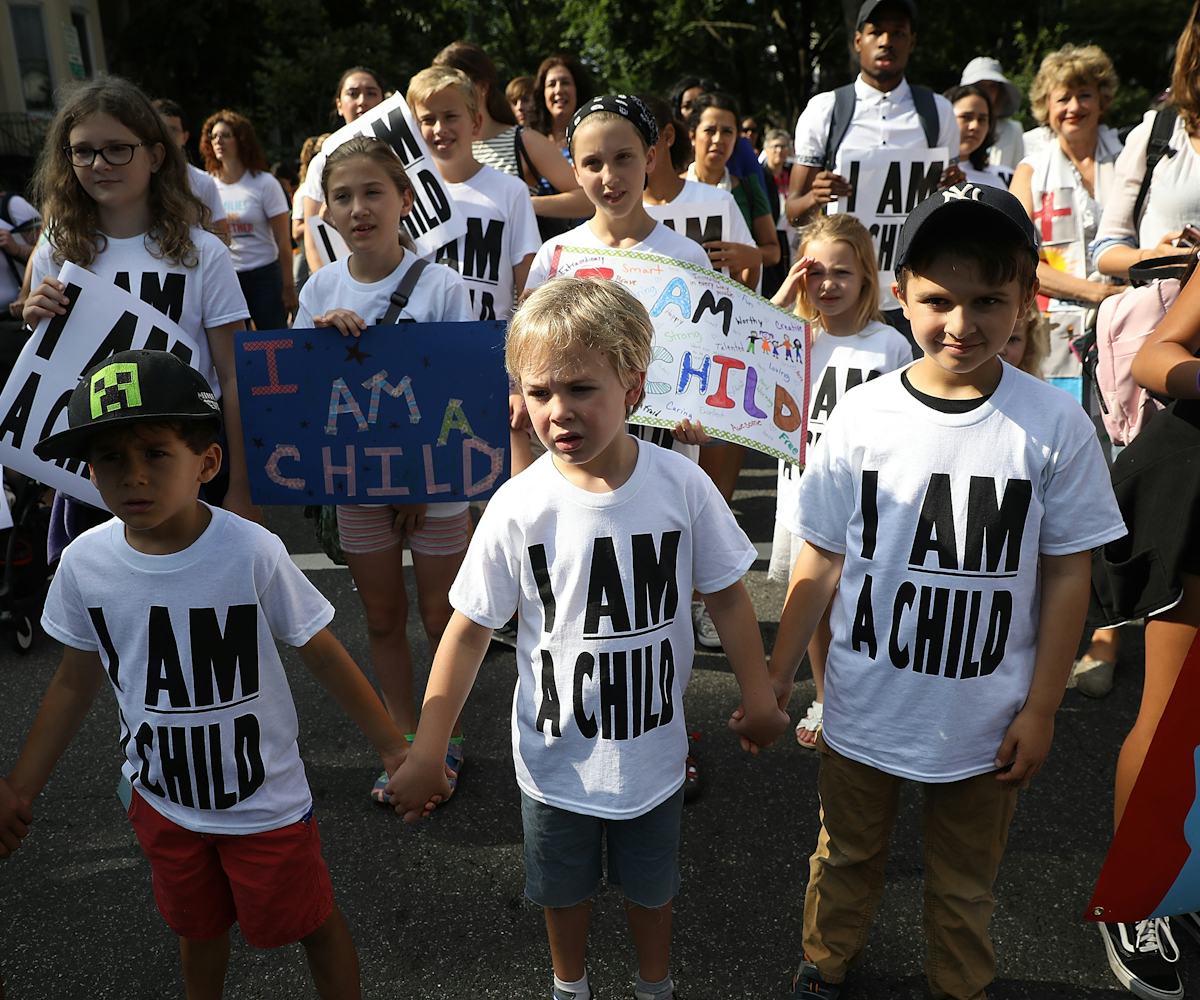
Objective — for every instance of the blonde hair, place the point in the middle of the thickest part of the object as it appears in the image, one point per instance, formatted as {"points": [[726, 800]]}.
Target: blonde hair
{"points": [[1037, 340], [309, 150], [435, 79], [566, 315], [848, 230], [383, 156], [73, 228], [1072, 66]]}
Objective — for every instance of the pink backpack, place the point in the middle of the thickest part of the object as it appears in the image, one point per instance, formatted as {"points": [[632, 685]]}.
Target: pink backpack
{"points": [[1123, 323]]}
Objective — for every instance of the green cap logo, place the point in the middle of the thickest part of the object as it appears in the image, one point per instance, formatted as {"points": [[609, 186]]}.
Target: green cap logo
{"points": [[115, 387]]}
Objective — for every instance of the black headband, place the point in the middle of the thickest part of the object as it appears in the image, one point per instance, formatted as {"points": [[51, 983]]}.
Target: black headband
{"points": [[627, 106]]}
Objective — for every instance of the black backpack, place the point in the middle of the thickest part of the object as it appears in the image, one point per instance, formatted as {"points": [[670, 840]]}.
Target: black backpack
{"points": [[844, 99], [1156, 149]]}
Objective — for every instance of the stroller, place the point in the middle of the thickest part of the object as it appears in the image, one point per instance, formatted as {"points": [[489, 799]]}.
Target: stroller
{"points": [[24, 573]]}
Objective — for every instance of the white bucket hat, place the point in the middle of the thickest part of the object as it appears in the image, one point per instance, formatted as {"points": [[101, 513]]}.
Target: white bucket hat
{"points": [[984, 68]]}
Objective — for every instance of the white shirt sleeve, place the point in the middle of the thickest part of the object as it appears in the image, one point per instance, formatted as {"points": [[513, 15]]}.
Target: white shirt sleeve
{"points": [[294, 609], [310, 187], [63, 616], [488, 584], [223, 301], [1117, 224], [274, 201], [825, 501], [458, 300], [812, 130], [526, 239], [1081, 511], [539, 270]]}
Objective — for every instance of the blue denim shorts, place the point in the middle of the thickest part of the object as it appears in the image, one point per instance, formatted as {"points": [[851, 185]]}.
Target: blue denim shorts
{"points": [[563, 865]]}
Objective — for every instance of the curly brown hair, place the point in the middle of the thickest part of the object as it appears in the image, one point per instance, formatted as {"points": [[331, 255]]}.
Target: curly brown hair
{"points": [[249, 149], [1185, 84], [73, 226], [73, 221]]}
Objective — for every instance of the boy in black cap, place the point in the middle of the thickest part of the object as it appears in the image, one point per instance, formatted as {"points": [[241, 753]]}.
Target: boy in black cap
{"points": [[179, 604], [953, 505]]}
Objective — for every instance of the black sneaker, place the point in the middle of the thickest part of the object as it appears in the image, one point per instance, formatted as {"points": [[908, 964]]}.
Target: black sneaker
{"points": [[807, 982], [1142, 957]]}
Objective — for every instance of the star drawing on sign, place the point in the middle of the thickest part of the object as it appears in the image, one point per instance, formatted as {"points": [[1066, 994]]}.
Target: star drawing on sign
{"points": [[393, 426], [355, 353], [304, 424], [308, 345], [258, 442], [425, 361]]}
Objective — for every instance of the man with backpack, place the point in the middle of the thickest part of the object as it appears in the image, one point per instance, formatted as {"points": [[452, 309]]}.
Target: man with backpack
{"points": [[879, 110]]}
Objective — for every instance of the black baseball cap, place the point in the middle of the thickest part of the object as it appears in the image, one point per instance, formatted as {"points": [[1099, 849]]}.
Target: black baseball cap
{"points": [[973, 205], [130, 387], [869, 8]]}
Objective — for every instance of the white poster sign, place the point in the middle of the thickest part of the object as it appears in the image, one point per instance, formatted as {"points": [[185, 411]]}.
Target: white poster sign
{"points": [[329, 243], [101, 320], [434, 220]]}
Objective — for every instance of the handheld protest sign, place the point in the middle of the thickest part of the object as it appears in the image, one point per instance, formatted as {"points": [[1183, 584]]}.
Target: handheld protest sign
{"points": [[1153, 864], [416, 413], [329, 243], [101, 319], [434, 220], [722, 355], [887, 184]]}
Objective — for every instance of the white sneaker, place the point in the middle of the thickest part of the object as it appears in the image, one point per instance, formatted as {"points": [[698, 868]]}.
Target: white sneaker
{"points": [[702, 624]]}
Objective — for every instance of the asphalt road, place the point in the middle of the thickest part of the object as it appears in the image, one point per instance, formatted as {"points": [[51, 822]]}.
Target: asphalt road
{"points": [[437, 911]]}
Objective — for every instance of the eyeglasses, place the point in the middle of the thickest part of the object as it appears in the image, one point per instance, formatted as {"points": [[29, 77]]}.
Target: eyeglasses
{"points": [[116, 154], [220, 136]]}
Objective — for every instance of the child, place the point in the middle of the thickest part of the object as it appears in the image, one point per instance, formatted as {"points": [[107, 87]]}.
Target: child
{"points": [[953, 506], [185, 635], [833, 286], [612, 141], [502, 234], [596, 546], [1029, 343], [368, 192], [114, 187]]}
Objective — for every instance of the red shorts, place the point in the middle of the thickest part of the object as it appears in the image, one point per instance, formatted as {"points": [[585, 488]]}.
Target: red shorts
{"points": [[274, 885]]}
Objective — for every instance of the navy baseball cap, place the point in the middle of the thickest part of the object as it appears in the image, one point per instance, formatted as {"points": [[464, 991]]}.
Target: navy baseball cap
{"points": [[130, 387], [972, 205], [869, 8]]}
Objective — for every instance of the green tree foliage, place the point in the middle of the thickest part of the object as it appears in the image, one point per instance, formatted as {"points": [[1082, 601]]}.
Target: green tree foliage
{"points": [[278, 60]]}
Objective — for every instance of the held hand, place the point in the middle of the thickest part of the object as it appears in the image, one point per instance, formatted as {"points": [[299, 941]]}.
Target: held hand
{"points": [[687, 432], [394, 756], [45, 302], [828, 186], [783, 687], [417, 788], [758, 726], [291, 301], [8, 242], [409, 518], [734, 256], [15, 819], [952, 175], [1025, 748], [347, 322]]}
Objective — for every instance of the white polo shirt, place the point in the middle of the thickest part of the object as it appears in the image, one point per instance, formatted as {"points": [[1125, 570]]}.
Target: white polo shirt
{"points": [[880, 120]]}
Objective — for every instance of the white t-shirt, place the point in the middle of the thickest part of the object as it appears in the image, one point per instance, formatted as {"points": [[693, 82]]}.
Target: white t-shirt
{"points": [[208, 726], [663, 240], [440, 296], [250, 202], [501, 232], [695, 192], [197, 298], [310, 187], [839, 364], [989, 176], [602, 583], [942, 518], [21, 213], [205, 188], [1173, 201]]}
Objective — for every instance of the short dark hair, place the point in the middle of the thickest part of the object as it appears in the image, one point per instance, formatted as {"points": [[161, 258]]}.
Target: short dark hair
{"points": [[198, 435], [712, 99], [979, 158], [168, 108], [997, 252]]}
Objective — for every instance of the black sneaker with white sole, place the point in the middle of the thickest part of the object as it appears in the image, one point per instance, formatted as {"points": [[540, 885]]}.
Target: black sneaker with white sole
{"points": [[1142, 956]]}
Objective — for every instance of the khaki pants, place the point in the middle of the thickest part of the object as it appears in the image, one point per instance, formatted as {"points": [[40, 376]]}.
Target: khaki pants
{"points": [[964, 828]]}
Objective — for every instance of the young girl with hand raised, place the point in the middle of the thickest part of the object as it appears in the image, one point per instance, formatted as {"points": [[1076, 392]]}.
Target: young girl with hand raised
{"points": [[114, 189], [368, 193], [833, 286]]}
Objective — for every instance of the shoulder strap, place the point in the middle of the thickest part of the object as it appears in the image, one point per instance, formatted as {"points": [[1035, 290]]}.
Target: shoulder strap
{"points": [[403, 292], [1157, 147], [522, 153], [844, 100], [927, 111]]}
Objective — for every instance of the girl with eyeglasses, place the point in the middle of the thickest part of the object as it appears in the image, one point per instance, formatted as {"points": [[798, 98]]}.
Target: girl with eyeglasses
{"points": [[115, 192]]}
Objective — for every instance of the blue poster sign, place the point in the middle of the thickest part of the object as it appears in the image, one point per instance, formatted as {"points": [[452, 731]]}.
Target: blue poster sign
{"points": [[416, 413]]}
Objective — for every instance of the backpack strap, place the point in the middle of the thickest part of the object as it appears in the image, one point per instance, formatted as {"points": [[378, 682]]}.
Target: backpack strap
{"points": [[403, 292], [927, 111], [522, 154], [1157, 147], [844, 100]]}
